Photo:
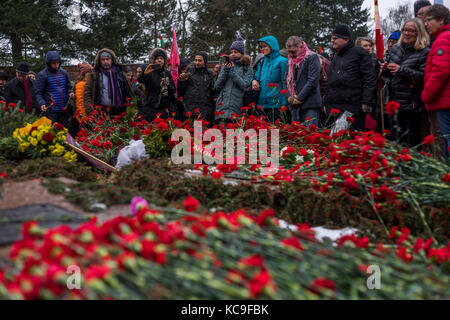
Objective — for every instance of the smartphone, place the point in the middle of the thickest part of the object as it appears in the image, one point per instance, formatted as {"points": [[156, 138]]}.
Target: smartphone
{"points": [[227, 59], [156, 66]]}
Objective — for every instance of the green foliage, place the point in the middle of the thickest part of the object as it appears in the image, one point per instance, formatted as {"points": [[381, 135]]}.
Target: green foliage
{"points": [[12, 118], [156, 144], [47, 167]]}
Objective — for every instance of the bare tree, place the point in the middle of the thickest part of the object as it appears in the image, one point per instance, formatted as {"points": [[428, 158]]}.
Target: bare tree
{"points": [[396, 18]]}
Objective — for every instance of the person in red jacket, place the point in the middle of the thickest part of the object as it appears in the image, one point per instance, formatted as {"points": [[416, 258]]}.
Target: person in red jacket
{"points": [[436, 93]]}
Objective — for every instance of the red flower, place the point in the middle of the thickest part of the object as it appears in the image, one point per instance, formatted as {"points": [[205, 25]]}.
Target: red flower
{"points": [[351, 119], [321, 284], [429, 139], [107, 145], [283, 109], [137, 137], [48, 137], [191, 204], [252, 261], [2, 174], [180, 99], [392, 108], [446, 178], [162, 126], [97, 272], [335, 111], [283, 91], [260, 281], [216, 175], [59, 126], [293, 242]]}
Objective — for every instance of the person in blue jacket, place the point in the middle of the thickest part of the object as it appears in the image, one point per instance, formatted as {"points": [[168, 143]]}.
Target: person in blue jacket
{"points": [[53, 89], [269, 77]]}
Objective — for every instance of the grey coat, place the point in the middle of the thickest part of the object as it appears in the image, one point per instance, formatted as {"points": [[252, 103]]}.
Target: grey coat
{"points": [[231, 83]]}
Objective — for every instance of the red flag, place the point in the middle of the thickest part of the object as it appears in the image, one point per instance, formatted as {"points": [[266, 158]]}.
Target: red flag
{"points": [[174, 58], [320, 49], [378, 35]]}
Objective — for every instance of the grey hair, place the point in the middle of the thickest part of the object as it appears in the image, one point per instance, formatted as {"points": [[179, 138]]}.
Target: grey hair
{"points": [[294, 41]]}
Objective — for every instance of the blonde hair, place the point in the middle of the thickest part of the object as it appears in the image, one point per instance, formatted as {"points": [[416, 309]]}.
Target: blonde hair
{"points": [[423, 39], [359, 41]]}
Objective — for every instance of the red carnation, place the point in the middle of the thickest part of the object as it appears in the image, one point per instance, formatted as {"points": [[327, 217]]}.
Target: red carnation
{"points": [[283, 109], [320, 284], [335, 111], [191, 204], [48, 137], [162, 126], [446, 178], [107, 145], [429, 139], [392, 108], [59, 126]]}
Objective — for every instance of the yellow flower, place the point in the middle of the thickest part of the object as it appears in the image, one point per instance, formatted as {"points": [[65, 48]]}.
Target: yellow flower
{"points": [[25, 130], [43, 122], [33, 141], [24, 146]]}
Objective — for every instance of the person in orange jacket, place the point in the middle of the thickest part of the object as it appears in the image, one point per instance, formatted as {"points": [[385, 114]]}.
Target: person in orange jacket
{"points": [[84, 69]]}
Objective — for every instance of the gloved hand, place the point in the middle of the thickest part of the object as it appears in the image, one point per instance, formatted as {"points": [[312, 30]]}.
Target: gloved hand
{"points": [[366, 108], [294, 102]]}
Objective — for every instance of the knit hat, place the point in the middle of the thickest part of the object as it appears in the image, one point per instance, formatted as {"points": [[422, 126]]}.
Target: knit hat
{"points": [[23, 68], [84, 68], [32, 72], [183, 64], [4, 75], [342, 31], [419, 5], [238, 45], [204, 55], [395, 35]]}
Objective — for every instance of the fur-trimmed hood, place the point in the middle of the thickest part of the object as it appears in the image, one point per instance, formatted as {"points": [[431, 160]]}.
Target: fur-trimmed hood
{"points": [[97, 58], [246, 60], [159, 52]]}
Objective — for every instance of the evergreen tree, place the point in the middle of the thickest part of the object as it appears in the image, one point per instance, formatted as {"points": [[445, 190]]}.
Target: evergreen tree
{"points": [[30, 28]]}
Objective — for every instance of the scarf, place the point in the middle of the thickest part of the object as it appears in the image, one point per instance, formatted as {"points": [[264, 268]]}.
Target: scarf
{"points": [[113, 86], [294, 63], [28, 102]]}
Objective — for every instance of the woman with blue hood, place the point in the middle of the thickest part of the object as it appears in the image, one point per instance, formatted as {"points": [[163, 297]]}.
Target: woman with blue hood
{"points": [[269, 77], [53, 89]]}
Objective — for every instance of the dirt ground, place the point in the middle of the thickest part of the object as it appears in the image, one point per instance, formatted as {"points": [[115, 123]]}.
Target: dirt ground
{"points": [[19, 194]]}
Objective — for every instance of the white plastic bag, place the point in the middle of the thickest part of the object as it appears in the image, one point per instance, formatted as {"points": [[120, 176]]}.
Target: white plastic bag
{"points": [[135, 151], [341, 123]]}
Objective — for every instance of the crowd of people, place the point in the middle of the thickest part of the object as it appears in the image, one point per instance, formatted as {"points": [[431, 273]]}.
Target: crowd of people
{"points": [[306, 86]]}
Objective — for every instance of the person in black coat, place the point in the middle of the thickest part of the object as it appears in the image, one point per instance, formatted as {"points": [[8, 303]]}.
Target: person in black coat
{"points": [[196, 86], [21, 89], [352, 80], [3, 80], [183, 68], [302, 82], [159, 88], [406, 71]]}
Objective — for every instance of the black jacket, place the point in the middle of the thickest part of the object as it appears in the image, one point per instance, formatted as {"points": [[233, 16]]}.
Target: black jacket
{"points": [[155, 101], [15, 92], [407, 85], [352, 80], [307, 83], [198, 92]]}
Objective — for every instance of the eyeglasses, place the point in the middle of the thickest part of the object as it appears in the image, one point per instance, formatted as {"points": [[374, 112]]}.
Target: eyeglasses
{"points": [[409, 31]]}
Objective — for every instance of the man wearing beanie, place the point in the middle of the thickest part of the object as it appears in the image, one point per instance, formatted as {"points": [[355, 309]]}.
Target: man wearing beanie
{"points": [[352, 80], [393, 39], [196, 86], [233, 79], [420, 7], [53, 89], [21, 89], [107, 85]]}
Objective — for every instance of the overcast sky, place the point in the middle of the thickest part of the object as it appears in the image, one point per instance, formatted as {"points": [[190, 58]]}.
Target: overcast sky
{"points": [[385, 5]]}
